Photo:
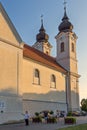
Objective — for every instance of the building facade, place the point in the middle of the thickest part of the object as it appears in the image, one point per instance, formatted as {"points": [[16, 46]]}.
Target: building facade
{"points": [[30, 78]]}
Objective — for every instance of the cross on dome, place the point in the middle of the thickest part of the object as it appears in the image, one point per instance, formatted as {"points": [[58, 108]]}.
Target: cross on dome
{"points": [[65, 4], [65, 25], [41, 19]]}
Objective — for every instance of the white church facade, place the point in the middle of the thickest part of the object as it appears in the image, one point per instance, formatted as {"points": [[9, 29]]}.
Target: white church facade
{"points": [[30, 78]]}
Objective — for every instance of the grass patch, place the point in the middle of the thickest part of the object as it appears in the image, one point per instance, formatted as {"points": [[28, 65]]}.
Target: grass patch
{"points": [[79, 127]]}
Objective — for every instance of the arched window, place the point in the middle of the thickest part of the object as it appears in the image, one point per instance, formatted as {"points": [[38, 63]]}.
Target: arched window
{"points": [[36, 73], [53, 78], [72, 47], [62, 47], [36, 76], [53, 81]]}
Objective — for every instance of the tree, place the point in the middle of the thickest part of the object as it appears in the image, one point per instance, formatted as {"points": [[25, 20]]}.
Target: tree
{"points": [[84, 105]]}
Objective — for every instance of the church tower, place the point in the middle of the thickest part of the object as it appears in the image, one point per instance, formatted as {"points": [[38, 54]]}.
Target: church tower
{"points": [[42, 43], [67, 57]]}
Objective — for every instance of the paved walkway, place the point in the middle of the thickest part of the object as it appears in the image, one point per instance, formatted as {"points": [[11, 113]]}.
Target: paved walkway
{"points": [[41, 126]]}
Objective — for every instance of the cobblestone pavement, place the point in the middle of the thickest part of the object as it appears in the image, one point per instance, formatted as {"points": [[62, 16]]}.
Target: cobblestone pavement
{"points": [[41, 126]]}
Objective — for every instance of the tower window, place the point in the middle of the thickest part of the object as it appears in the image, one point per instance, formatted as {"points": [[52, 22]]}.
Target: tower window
{"points": [[53, 81], [72, 47], [62, 47], [47, 52]]}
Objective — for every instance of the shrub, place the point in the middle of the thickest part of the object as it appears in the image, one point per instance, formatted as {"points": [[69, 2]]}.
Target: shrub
{"points": [[36, 114], [69, 113], [70, 120], [51, 112], [37, 119], [51, 120]]}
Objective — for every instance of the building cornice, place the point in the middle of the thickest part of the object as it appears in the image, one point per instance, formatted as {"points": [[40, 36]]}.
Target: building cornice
{"points": [[12, 44]]}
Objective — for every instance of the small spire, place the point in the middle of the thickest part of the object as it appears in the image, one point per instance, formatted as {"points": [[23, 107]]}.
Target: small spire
{"points": [[42, 36], [65, 15], [42, 27], [65, 25], [65, 5], [41, 19]]}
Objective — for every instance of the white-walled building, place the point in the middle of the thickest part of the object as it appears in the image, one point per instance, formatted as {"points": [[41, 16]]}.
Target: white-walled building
{"points": [[30, 78]]}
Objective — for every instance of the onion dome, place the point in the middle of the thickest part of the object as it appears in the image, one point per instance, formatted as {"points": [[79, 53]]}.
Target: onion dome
{"points": [[42, 36], [65, 25]]}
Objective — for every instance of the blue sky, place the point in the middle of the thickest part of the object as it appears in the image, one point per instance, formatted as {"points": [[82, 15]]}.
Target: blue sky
{"points": [[25, 15]]}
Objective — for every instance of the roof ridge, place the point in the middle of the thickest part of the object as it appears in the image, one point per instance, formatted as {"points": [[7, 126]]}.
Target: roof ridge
{"points": [[39, 56], [39, 51]]}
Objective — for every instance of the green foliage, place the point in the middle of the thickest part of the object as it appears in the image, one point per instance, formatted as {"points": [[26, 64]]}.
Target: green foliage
{"points": [[36, 113], [51, 112], [51, 120], [70, 120], [84, 105], [69, 113], [37, 119]]}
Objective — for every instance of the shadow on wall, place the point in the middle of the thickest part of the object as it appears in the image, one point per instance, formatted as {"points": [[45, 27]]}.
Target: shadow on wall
{"points": [[11, 105], [10, 91], [54, 96], [57, 96]]}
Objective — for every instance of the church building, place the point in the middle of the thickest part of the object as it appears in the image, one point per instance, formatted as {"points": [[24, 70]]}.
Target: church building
{"points": [[30, 78]]}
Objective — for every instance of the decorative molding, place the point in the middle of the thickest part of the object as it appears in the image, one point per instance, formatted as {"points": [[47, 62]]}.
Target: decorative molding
{"points": [[20, 46]]}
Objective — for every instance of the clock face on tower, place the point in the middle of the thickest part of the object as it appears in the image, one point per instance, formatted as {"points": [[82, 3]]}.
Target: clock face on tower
{"points": [[62, 38]]}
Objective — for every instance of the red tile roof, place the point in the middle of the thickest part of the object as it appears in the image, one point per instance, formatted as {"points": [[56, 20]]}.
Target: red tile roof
{"points": [[41, 57]]}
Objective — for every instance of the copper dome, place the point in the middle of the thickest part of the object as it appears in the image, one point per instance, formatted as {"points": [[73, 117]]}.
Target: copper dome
{"points": [[42, 36], [65, 25]]}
